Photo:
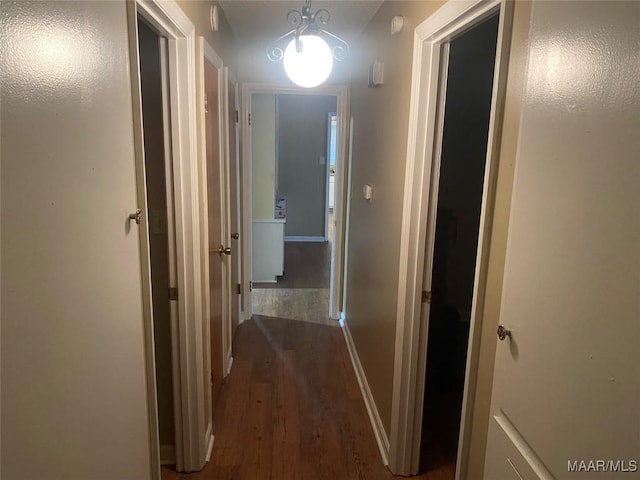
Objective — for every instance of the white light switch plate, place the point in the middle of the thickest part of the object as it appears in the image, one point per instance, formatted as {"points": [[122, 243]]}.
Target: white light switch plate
{"points": [[367, 192]]}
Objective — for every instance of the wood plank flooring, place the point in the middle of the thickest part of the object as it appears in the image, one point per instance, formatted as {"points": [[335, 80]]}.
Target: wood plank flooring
{"points": [[306, 265], [302, 293], [291, 409], [302, 304]]}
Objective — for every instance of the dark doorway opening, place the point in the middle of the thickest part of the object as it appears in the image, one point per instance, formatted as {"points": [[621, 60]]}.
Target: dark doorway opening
{"points": [[158, 174], [467, 111]]}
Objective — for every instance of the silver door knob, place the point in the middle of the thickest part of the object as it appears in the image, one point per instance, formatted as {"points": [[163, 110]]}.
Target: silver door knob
{"points": [[221, 250], [136, 216], [503, 332]]}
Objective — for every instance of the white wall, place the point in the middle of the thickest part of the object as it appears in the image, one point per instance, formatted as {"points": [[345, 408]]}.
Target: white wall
{"points": [[263, 145], [74, 400]]}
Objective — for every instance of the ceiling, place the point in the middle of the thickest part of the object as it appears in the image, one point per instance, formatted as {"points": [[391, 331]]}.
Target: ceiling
{"points": [[265, 20]]}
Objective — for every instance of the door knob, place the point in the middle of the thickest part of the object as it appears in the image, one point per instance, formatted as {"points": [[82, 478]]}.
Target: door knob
{"points": [[235, 236], [136, 216], [503, 332], [221, 250]]}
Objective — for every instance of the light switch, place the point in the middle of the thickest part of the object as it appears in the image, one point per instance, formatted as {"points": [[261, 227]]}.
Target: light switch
{"points": [[321, 160], [367, 192], [376, 74]]}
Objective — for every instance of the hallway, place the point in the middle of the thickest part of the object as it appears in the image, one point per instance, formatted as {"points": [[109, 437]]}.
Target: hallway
{"points": [[292, 409]]}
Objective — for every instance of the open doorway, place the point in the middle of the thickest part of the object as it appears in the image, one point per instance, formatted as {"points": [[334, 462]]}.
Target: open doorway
{"points": [[171, 29], [291, 199], [332, 153], [154, 89], [468, 82]]}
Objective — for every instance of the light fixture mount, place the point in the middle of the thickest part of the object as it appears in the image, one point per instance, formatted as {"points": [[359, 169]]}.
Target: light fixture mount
{"points": [[306, 22]]}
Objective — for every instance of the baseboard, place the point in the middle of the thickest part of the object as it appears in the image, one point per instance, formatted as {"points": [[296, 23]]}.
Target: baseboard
{"points": [[374, 416], [229, 363], [318, 238], [167, 454], [210, 442]]}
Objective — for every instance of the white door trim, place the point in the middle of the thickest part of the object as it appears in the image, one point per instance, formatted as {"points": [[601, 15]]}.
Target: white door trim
{"points": [[410, 351], [337, 256], [227, 328], [328, 180], [232, 79], [169, 20]]}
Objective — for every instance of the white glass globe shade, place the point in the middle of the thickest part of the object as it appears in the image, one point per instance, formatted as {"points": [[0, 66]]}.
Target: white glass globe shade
{"points": [[310, 67]]}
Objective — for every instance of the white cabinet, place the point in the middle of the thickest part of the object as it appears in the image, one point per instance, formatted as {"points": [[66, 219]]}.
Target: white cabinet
{"points": [[268, 250]]}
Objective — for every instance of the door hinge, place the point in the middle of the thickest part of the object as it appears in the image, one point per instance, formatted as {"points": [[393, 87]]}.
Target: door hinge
{"points": [[237, 116], [249, 119], [426, 297], [250, 286], [239, 289], [206, 103], [173, 294]]}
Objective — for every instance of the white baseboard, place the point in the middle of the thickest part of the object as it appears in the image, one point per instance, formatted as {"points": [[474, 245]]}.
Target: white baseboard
{"points": [[210, 443], [374, 416], [318, 238], [229, 363], [167, 454]]}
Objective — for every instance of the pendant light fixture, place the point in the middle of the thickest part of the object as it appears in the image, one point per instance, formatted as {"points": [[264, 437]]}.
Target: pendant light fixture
{"points": [[308, 51]]}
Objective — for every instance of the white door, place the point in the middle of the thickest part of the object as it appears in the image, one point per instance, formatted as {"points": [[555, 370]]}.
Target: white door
{"points": [[567, 381], [74, 389]]}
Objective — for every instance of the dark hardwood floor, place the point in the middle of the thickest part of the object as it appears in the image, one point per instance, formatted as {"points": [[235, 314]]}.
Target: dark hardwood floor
{"points": [[291, 408]]}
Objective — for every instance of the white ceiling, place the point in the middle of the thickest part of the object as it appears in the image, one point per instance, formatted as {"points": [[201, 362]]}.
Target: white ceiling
{"points": [[265, 20]]}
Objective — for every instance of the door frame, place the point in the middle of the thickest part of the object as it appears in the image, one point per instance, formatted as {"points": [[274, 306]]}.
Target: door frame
{"points": [[168, 19], [328, 182], [231, 78], [418, 222], [337, 255]]}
